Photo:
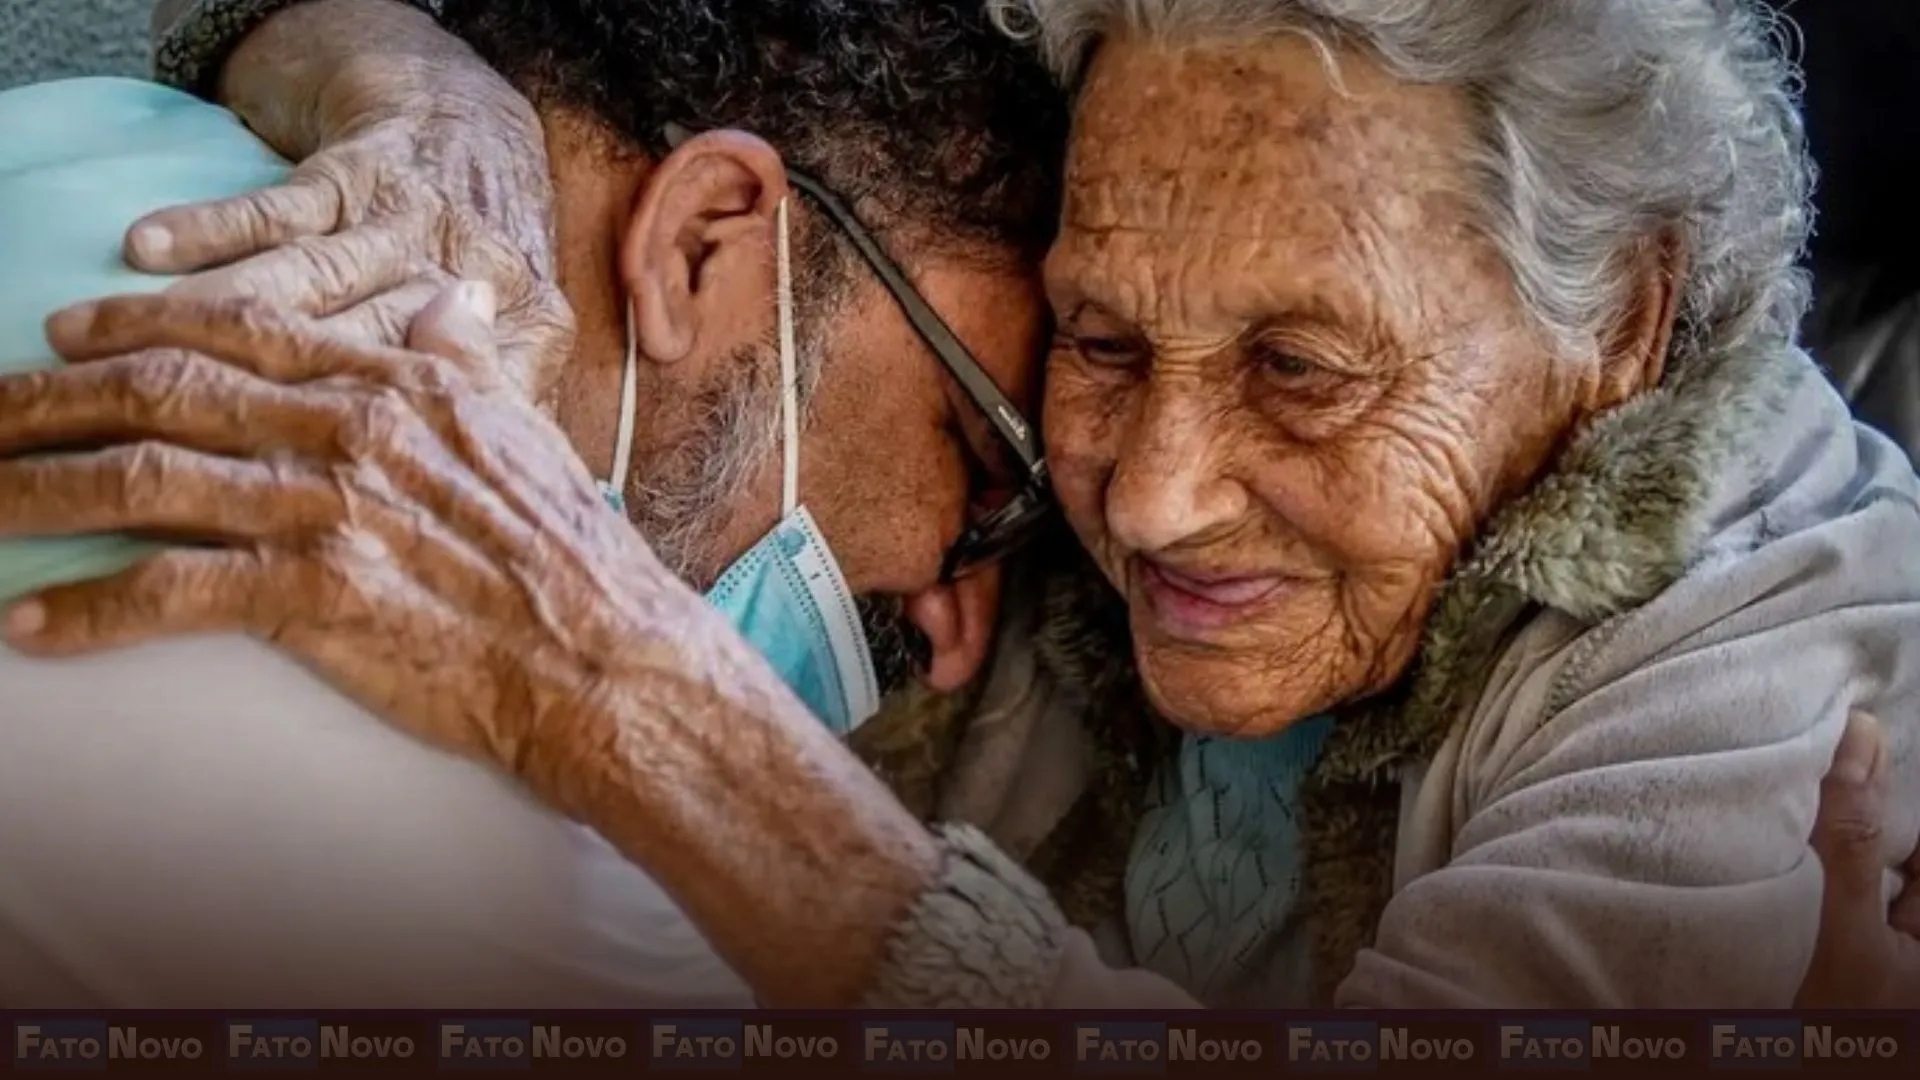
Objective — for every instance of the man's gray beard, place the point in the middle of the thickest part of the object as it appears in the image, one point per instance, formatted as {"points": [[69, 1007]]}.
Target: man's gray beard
{"points": [[736, 430], [736, 434], [899, 647]]}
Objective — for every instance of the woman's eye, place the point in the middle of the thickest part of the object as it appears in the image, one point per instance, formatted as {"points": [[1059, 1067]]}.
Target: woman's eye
{"points": [[1287, 365], [1108, 351]]}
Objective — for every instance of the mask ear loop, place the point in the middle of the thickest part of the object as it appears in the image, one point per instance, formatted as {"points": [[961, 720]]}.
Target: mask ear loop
{"points": [[614, 486], [789, 375]]}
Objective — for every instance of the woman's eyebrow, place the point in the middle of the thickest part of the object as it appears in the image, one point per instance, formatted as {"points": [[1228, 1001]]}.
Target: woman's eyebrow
{"points": [[1351, 316], [1084, 307]]}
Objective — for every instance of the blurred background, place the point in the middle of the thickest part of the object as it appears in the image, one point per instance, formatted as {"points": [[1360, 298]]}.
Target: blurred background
{"points": [[51, 39], [1862, 62]]}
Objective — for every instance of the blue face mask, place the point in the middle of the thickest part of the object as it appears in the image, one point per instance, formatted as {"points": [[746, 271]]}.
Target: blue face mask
{"points": [[786, 595]]}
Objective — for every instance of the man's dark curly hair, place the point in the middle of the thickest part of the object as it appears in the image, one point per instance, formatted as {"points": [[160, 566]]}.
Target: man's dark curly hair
{"points": [[917, 111]]}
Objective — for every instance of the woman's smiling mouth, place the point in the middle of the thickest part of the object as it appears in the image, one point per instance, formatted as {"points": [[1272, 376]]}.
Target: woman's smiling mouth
{"points": [[1190, 603]]}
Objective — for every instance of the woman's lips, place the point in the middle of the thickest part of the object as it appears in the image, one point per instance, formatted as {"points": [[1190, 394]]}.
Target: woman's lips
{"points": [[1186, 603]]}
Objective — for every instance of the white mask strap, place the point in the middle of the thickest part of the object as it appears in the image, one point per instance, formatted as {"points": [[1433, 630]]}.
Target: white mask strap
{"points": [[616, 483], [789, 376]]}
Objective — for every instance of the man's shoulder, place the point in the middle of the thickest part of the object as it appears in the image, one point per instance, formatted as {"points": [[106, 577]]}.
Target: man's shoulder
{"points": [[105, 118], [80, 161]]}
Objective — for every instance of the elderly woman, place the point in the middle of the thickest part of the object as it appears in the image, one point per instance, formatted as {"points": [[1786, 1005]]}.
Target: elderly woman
{"points": [[1425, 392]]}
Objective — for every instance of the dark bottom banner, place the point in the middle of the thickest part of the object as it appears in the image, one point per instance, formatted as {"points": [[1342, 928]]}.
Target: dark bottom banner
{"points": [[1036, 1044]]}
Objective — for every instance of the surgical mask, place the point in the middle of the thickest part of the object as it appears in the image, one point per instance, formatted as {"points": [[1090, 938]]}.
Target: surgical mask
{"points": [[786, 595]]}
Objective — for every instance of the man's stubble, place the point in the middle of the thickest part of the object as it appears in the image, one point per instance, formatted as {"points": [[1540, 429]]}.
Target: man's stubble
{"points": [[681, 502]]}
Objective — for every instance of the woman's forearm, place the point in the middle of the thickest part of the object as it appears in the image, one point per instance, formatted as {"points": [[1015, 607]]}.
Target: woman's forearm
{"points": [[304, 73], [404, 138], [796, 863], [311, 70]]}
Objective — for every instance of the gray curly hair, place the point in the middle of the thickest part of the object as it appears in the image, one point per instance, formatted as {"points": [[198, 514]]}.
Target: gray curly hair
{"points": [[1602, 125]]}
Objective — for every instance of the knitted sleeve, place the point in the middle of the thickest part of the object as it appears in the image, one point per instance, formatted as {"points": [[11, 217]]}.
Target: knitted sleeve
{"points": [[193, 38]]}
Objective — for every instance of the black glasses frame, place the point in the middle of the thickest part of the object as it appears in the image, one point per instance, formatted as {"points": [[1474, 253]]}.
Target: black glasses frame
{"points": [[1012, 524]]}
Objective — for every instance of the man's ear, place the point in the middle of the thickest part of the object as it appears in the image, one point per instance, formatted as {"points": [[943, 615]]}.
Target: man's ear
{"points": [[699, 243], [1634, 356], [959, 619]]}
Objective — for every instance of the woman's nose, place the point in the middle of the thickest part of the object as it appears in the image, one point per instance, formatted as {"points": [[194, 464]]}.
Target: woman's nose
{"points": [[1170, 483]]}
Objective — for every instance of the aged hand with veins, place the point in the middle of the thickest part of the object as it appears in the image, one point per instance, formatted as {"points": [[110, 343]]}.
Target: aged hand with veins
{"points": [[405, 502], [411, 526], [421, 166]]}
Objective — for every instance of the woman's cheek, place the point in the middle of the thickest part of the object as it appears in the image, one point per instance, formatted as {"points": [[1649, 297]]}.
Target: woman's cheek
{"points": [[1083, 429]]}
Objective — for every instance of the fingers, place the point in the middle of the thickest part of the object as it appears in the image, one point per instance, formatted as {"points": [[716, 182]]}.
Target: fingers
{"points": [[183, 239], [451, 320], [171, 396], [321, 275], [1906, 907], [1848, 831], [1905, 913], [163, 489], [458, 325], [384, 319], [1847, 969], [535, 341], [184, 591], [534, 328], [241, 333]]}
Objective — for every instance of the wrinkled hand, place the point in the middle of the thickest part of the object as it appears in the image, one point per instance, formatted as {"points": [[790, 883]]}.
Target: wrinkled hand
{"points": [[1868, 955], [401, 519], [407, 193]]}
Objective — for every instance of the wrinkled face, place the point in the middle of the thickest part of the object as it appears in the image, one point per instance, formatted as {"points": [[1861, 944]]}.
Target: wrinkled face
{"points": [[1289, 379]]}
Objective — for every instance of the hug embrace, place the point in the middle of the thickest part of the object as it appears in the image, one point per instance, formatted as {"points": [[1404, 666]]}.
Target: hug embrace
{"points": [[1071, 503]]}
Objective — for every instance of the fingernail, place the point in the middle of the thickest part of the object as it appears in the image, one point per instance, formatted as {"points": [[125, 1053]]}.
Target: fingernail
{"points": [[479, 298], [1858, 749], [149, 243], [72, 323], [24, 620]]}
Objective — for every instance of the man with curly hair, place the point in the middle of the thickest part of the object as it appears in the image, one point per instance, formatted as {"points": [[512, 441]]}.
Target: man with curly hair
{"points": [[883, 173]]}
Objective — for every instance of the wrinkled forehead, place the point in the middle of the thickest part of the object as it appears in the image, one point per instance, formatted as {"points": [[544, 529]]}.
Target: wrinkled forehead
{"points": [[1218, 123], [1252, 163]]}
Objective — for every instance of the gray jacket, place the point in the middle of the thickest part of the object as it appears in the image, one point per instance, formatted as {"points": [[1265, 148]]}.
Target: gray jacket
{"points": [[1596, 787]]}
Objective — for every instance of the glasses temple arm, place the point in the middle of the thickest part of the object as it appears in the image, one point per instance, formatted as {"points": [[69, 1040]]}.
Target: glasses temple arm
{"points": [[952, 353]]}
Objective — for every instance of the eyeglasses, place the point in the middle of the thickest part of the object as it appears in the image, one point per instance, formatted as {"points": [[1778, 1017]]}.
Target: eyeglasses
{"points": [[1010, 525]]}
